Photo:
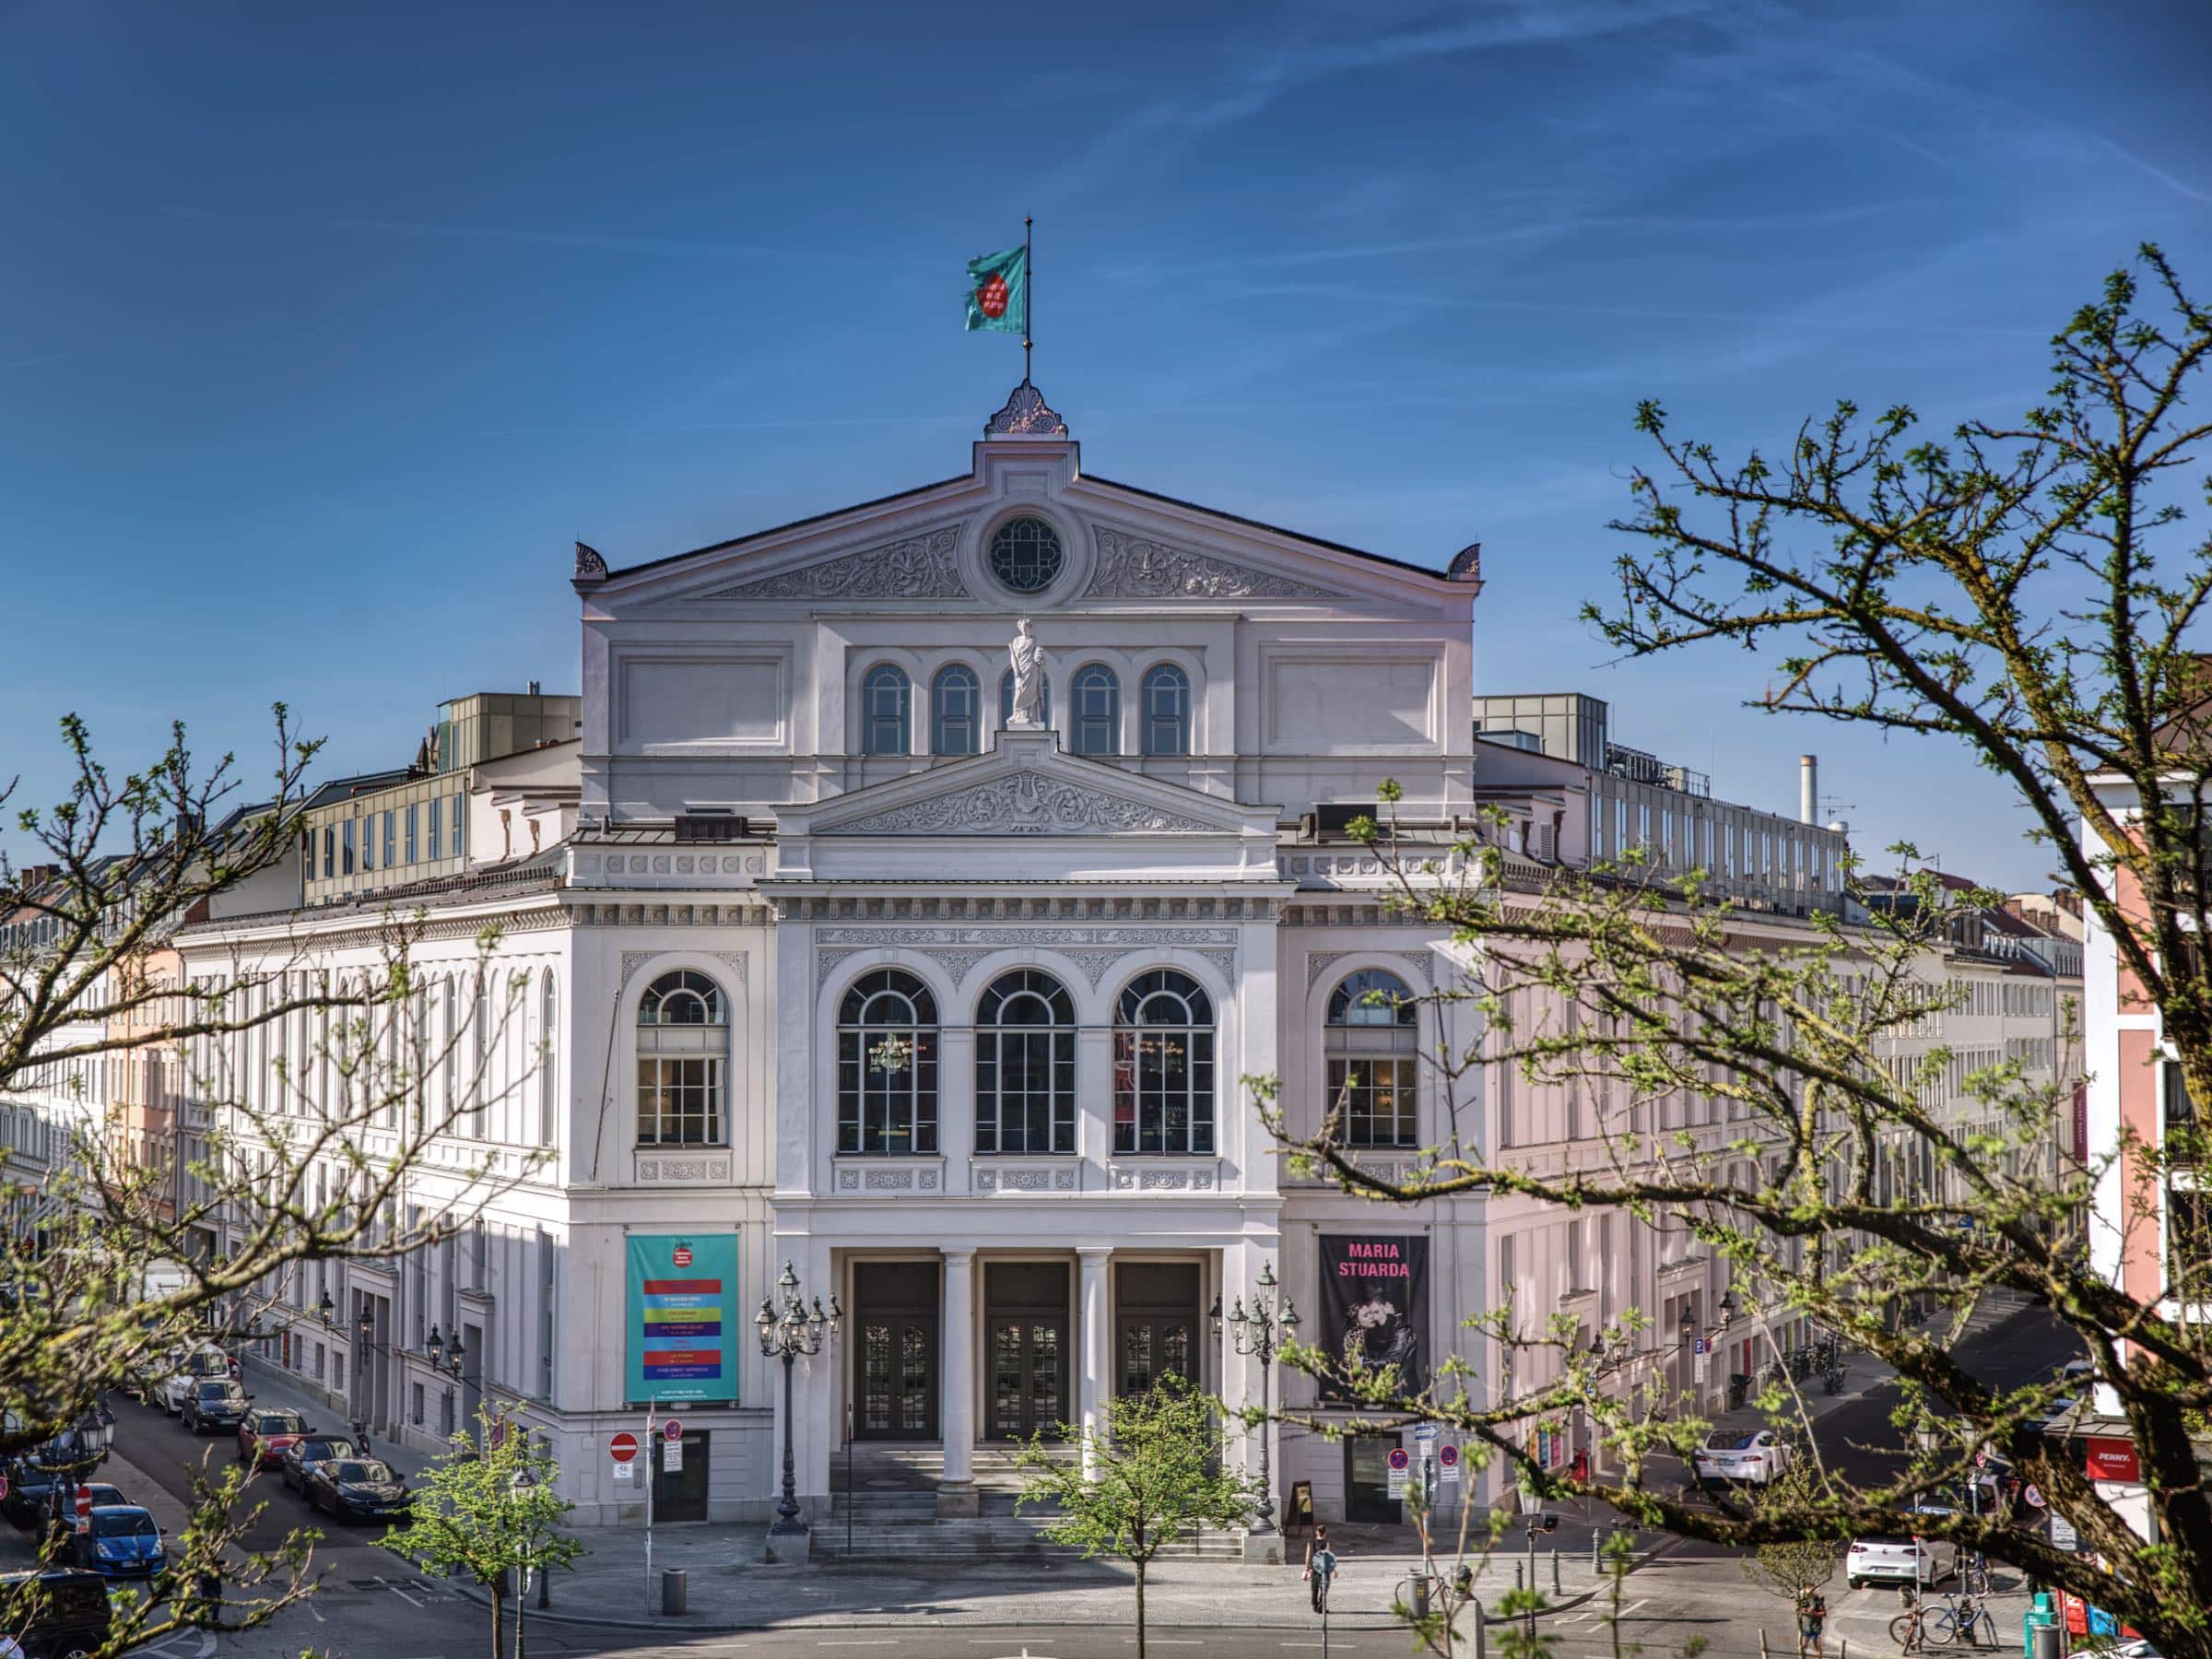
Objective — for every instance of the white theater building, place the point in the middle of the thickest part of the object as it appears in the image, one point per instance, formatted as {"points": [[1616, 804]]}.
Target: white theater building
{"points": [[841, 956]]}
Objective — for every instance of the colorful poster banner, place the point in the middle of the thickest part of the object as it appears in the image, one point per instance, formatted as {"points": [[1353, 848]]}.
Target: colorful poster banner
{"points": [[1374, 1307], [682, 1317]]}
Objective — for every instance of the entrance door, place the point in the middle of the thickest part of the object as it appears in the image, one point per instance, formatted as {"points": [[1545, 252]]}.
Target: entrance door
{"points": [[1156, 1326], [681, 1494], [1367, 1479], [896, 1379], [1026, 1314]]}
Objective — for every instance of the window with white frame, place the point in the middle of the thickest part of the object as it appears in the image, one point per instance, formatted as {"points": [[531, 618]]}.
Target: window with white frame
{"points": [[1096, 725], [1025, 1065], [956, 699], [1369, 1045], [1166, 693], [683, 1054], [886, 709], [1163, 1066], [887, 1065]]}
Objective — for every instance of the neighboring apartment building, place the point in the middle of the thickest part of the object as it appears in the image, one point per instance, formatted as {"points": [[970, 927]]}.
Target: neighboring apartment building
{"points": [[1757, 860]]}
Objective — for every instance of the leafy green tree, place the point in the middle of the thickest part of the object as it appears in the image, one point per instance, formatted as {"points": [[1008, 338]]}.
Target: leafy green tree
{"points": [[492, 1514], [1158, 1472], [2025, 596]]}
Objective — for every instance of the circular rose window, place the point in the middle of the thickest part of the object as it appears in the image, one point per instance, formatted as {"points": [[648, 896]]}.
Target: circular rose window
{"points": [[1025, 555]]}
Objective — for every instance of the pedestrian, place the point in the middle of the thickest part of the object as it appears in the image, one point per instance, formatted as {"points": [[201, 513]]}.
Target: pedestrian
{"points": [[1321, 1564], [1812, 1618]]}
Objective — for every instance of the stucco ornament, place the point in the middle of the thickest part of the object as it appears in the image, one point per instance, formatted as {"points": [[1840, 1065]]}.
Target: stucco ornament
{"points": [[921, 566], [1022, 803], [1028, 659], [1131, 567]]}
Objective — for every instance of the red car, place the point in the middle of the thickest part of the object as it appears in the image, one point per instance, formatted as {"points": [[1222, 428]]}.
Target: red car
{"points": [[264, 1435]]}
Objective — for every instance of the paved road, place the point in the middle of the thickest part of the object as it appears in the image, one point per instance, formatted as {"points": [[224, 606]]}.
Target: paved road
{"points": [[373, 1606]]}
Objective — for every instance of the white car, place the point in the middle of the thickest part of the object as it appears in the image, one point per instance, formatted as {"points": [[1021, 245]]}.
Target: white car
{"points": [[197, 1366], [1901, 1560], [1752, 1458]]}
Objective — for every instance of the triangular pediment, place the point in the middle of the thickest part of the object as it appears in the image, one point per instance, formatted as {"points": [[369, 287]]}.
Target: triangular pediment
{"points": [[1027, 787]]}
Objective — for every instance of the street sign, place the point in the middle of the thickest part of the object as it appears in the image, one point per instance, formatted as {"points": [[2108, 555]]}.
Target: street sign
{"points": [[1447, 1459], [672, 1429], [84, 1509], [2034, 1497], [626, 1471], [1395, 1484], [1427, 1434], [1399, 1459], [671, 1457], [623, 1447], [2063, 1535]]}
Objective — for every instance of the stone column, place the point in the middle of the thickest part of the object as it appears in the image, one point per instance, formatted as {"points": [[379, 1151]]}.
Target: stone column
{"points": [[1094, 1382], [956, 1387]]}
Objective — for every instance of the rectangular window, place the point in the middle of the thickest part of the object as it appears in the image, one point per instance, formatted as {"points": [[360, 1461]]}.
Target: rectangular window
{"points": [[457, 847], [390, 834], [368, 842], [437, 806], [679, 1098], [330, 855], [2189, 1245], [414, 812], [1376, 1097], [345, 847]]}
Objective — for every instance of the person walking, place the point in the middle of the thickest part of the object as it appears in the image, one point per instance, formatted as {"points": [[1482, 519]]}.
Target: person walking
{"points": [[1320, 1566], [1812, 1619]]}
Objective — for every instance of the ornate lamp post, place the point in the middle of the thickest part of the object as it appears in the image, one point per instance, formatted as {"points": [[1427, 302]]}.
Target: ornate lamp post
{"points": [[433, 1345], [1260, 1335], [787, 1336]]}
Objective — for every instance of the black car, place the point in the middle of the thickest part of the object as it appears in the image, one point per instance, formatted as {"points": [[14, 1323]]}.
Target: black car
{"points": [[59, 1614], [31, 1485], [303, 1453], [216, 1405], [358, 1488]]}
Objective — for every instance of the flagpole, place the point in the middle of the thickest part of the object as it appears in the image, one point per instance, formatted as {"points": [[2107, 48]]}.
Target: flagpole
{"points": [[1028, 280]]}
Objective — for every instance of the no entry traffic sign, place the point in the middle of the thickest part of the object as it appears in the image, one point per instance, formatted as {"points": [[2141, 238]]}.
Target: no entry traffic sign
{"points": [[623, 1447]]}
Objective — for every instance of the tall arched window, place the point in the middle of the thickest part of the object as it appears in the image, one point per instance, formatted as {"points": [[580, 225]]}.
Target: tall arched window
{"points": [[548, 1058], [683, 1048], [452, 1054], [1025, 1065], [956, 710], [887, 1065], [1097, 696], [1163, 1066], [886, 702], [1369, 1044], [1006, 700], [1167, 710]]}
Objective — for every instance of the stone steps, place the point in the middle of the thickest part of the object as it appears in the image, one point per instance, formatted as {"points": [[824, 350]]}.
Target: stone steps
{"points": [[986, 1538]]}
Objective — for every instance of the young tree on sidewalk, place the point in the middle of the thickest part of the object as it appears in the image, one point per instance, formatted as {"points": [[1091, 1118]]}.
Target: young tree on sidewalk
{"points": [[492, 1514], [1157, 1473], [2025, 598]]}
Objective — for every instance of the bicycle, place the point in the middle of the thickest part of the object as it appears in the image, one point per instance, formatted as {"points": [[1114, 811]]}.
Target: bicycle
{"points": [[1974, 1576]]}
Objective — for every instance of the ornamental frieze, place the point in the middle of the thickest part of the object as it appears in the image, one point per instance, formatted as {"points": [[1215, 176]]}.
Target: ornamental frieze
{"points": [[1131, 567], [920, 567], [1022, 803]]}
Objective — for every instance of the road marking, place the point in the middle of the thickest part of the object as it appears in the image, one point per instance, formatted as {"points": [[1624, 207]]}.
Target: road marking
{"points": [[1628, 1611], [401, 1594], [886, 1642]]}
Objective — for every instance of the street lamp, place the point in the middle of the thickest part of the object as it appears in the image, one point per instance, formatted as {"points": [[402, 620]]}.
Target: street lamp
{"points": [[1259, 1334], [327, 1309], [787, 1336]]}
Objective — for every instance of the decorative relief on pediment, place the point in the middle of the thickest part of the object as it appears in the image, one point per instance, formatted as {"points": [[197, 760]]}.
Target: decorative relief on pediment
{"points": [[920, 567], [1021, 803], [1132, 567]]}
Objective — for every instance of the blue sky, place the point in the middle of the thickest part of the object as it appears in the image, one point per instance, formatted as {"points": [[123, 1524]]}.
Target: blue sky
{"points": [[325, 331]]}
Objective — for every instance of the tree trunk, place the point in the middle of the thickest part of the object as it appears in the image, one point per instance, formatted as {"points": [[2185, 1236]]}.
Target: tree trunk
{"points": [[499, 1626], [522, 1603], [1140, 1608]]}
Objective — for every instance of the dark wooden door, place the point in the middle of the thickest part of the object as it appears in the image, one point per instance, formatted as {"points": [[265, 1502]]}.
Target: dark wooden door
{"points": [[1026, 1329], [895, 1380]]}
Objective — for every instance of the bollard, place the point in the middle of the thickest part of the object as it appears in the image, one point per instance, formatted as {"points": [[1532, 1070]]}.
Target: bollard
{"points": [[674, 1590], [1594, 1549], [1555, 1572], [1517, 1583], [1419, 1600]]}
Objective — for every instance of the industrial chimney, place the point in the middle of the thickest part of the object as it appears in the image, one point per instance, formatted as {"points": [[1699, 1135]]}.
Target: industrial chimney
{"points": [[1808, 788]]}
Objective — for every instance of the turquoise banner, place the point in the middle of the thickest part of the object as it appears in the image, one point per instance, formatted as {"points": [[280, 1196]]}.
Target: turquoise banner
{"points": [[682, 1317]]}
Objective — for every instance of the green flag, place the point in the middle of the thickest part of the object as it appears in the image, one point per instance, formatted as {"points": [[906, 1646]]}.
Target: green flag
{"points": [[998, 291]]}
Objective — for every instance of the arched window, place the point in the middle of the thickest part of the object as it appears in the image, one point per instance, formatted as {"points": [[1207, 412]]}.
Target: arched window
{"points": [[1167, 710], [956, 710], [683, 1048], [1006, 700], [886, 699], [1025, 1065], [1369, 1044], [1163, 1066], [887, 1065], [1097, 696], [548, 1059]]}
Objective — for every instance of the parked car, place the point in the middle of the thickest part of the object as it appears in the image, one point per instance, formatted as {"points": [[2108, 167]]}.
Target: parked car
{"points": [[263, 1437], [1753, 1457], [196, 1368], [358, 1488], [216, 1406], [311, 1449], [122, 1542], [1901, 1560], [30, 1490], [58, 1614], [61, 1505]]}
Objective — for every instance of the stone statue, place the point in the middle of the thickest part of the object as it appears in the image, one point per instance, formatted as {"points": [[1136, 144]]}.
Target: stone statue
{"points": [[1028, 659]]}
